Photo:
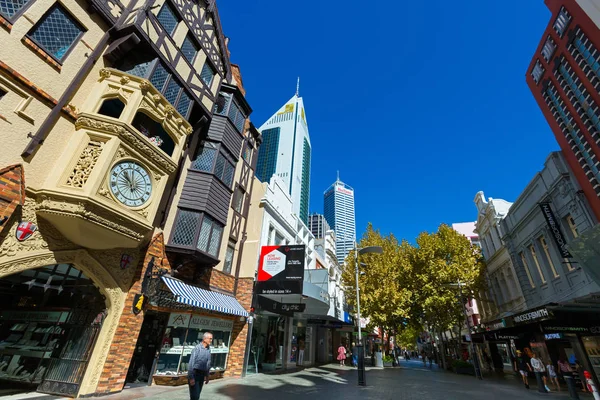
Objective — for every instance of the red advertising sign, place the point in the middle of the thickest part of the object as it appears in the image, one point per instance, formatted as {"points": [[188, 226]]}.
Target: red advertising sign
{"points": [[281, 270]]}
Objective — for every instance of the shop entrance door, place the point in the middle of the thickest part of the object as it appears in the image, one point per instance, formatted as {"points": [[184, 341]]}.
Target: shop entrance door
{"points": [[147, 348]]}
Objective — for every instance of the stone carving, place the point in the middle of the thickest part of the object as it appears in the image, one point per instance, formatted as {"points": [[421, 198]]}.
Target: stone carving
{"points": [[125, 79], [189, 130], [157, 98], [88, 212], [151, 110], [145, 85], [108, 127], [85, 165], [154, 154], [122, 153], [170, 110], [105, 73], [104, 192]]}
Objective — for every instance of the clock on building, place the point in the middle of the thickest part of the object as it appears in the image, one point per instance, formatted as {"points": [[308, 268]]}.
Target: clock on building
{"points": [[130, 183]]}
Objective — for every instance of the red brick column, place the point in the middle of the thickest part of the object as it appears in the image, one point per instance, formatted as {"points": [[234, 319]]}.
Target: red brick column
{"points": [[123, 344], [239, 334]]}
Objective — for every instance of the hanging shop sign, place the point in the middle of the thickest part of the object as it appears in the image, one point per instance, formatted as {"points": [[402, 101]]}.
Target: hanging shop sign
{"points": [[281, 270], [280, 308], [532, 316], [557, 234], [210, 324], [139, 303]]}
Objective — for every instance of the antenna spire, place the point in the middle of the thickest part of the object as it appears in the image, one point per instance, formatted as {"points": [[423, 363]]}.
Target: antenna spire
{"points": [[338, 175], [298, 88]]}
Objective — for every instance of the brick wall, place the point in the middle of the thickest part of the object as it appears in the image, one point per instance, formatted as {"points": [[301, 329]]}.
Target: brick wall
{"points": [[12, 192], [239, 334], [123, 344]]}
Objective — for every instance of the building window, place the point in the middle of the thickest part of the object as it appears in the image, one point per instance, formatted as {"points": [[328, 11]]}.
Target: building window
{"points": [[562, 22], [587, 57], [247, 153], [207, 74], [167, 18], [183, 105], [236, 116], [572, 226], [267, 154], [537, 264], [206, 157], [221, 104], [238, 200], [110, 107], [154, 131], [537, 72], [56, 32], [544, 245], [2, 93], [171, 89], [189, 49], [9, 8], [548, 49], [185, 228], [279, 239], [224, 170], [159, 77], [210, 236], [227, 264], [527, 271]]}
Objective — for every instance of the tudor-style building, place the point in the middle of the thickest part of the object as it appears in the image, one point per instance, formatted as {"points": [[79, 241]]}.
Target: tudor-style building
{"points": [[126, 140]]}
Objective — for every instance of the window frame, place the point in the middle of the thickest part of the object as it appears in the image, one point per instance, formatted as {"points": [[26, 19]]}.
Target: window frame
{"points": [[228, 162], [238, 193], [174, 12], [537, 67], [43, 18], [196, 238], [544, 243], [230, 246], [3, 93], [562, 12], [189, 37], [18, 14], [572, 226], [527, 271], [208, 63], [537, 263], [170, 77]]}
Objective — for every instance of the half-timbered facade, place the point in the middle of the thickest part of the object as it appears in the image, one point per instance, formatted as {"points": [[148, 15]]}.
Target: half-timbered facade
{"points": [[127, 138]]}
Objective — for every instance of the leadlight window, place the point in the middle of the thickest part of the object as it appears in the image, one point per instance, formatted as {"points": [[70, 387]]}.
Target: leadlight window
{"points": [[170, 87], [207, 74], [206, 157], [10, 8], [224, 170], [172, 91], [236, 116], [56, 32], [159, 77], [185, 228], [167, 18], [537, 72], [221, 104], [238, 200], [189, 49], [184, 103], [562, 21], [227, 264], [210, 236], [548, 49]]}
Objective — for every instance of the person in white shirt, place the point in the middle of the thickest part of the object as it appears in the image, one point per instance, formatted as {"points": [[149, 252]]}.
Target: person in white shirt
{"points": [[538, 368], [552, 375]]}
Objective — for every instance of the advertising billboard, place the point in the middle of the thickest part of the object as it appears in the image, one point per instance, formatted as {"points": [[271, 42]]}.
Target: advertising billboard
{"points": [[281, 270]]}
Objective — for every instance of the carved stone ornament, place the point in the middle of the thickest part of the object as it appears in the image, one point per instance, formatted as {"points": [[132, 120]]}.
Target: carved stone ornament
{"points": [[85, 122], [90, 213], [105, 73], [104, 192], [157, 98], [145, 85], [189, 130], [125, 80], [151, 110], [170, 110], [85, 164], [122, 153]]}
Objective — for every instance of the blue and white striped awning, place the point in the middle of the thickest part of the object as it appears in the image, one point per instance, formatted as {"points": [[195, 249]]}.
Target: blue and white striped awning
{"points": [[194, 296]]}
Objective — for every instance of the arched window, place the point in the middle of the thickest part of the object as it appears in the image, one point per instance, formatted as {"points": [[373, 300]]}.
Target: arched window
{"points": [[154, 132], [112, 107]]}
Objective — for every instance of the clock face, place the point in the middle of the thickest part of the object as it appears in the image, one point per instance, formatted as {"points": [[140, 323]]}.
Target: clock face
{"points": [[130, 183]]}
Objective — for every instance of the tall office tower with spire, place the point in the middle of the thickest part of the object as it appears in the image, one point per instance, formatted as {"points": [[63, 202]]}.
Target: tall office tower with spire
{"points": [[286, 151], [339, 213]]}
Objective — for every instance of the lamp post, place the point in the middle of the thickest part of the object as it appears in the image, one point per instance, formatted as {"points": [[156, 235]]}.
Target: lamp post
{"points": [[362, 381]]}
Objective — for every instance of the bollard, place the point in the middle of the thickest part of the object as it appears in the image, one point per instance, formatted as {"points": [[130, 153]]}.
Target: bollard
{"points": [[540, 382], [591, 385], [572, 387]]}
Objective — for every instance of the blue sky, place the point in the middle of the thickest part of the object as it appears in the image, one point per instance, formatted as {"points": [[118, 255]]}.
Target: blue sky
{"points": [[419, 105]]}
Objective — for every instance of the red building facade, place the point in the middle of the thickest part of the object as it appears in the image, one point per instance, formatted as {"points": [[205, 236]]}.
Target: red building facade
{"points": [[564, 77]]}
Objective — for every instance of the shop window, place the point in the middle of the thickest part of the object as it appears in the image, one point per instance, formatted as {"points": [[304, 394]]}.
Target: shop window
{"points": [[112, 108], [51, 317], [183, 333], [56, 32], [154, 131]]}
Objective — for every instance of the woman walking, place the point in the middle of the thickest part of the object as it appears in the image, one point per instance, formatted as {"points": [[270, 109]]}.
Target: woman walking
{"points": [[354, 355], [552, 375], [341, 354]]}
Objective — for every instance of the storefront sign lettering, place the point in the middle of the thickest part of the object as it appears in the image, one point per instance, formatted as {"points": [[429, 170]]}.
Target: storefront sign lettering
{"points": [[532, 316], [557, 234], [50, 316], [210, 324], [566, 328], [496, 325], [177, 320], [551, 336]]}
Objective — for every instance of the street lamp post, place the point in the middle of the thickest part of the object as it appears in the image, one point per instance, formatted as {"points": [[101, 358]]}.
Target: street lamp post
{"points": [[362, 381]]}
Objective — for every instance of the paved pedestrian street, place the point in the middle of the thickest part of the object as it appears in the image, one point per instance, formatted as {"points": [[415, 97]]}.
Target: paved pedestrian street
{"points": [[408, 382]]}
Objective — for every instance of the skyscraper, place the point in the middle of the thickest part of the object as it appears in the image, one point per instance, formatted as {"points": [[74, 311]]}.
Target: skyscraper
{"points": [[318, 225], [564, 77], [339, 213], [286, 151]]}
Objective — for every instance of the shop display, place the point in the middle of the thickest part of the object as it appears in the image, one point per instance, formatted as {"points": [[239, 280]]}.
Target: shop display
{"points": [[183, 333], [592, 346]]}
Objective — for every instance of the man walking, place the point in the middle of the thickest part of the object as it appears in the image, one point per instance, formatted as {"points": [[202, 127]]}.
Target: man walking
{"points": [[199, 366], [522, 365]]}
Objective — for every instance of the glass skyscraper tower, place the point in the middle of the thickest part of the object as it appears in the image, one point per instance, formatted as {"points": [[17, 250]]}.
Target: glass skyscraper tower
{"points": [[339, 213], [285, 152]]}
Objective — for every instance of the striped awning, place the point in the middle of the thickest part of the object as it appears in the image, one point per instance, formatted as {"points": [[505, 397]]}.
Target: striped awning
{"points": [[202, 298]]}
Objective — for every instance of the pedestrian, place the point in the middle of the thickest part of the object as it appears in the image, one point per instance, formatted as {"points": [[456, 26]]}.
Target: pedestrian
{"points": [[199, 366], [341, 354], [540, 372], [354, 355], [552, 375], [424, 358], [523, 367], [430, 357], [397, 354]]}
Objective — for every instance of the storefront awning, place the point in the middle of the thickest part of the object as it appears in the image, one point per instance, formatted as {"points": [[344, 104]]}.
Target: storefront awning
{"points": [[197, 297]]}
